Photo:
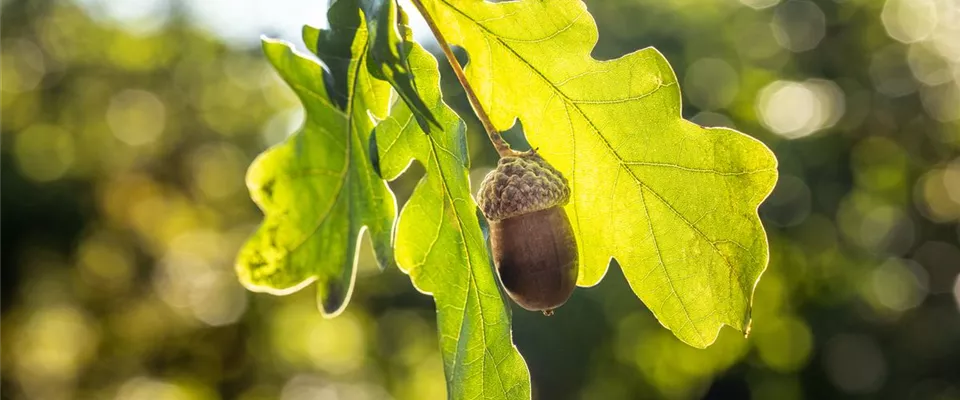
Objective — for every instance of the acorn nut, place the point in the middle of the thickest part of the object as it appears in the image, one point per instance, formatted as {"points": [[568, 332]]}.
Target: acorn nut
{"points": [[532, 240]]}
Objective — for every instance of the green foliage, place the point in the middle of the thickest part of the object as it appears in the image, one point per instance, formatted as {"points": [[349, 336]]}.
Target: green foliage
{"points": [[440, 244], [673, 202], [318, 189]]}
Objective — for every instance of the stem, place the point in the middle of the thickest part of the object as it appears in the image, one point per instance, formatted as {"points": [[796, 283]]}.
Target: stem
{"points": [[503, 148]]}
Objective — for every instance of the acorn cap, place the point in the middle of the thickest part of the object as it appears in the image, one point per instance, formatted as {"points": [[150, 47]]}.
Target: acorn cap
{"points": [[521, 185]]}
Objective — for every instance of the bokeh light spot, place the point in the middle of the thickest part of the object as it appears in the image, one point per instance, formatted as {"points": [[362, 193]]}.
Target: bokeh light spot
{"points": [[891, 73], [44, 152], [136, 117], [798, 26], [875, 224], [899, 285], [785, 344], [21, 65], [797, 109], [754, 41], [936, 193], [942, 102], [337, 345], [886, 228], [909, 21], [195, 287], [218, 170], [948, 30], [303, 338], [105, 263], [855, 364], [52, 346], [711, 83], [786, 108], [927, 65]]}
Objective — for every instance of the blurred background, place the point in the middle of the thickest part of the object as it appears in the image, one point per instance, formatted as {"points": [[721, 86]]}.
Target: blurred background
{"points": [[127, 127]]}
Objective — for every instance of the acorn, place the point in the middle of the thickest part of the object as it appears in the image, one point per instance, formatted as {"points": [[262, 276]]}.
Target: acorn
{"points": [[532, 240]]}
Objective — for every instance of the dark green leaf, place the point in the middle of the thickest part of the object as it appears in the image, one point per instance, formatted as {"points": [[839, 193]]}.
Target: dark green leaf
{"points": [[390, 44]]}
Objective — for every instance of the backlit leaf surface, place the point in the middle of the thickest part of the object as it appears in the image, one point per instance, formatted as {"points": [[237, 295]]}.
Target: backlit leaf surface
{"points": [[318, 189], [673, 202]]}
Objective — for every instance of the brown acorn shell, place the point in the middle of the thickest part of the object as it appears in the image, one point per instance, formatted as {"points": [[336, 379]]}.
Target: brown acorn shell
{"points": [[536, 257]]}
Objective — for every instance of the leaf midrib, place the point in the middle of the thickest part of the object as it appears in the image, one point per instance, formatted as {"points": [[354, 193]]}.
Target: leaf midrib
{"points": [[472, 283]]}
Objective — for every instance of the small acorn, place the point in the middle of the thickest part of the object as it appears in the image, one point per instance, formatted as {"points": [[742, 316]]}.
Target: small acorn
{"points": [[532, 240]]}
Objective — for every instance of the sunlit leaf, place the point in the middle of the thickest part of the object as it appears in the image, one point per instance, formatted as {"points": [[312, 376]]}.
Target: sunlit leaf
{"points": [[673, 202], [318, 189], [440, 244]]}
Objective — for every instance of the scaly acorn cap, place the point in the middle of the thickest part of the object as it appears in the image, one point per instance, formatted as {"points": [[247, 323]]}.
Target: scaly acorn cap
{"points": [[521, 185]]}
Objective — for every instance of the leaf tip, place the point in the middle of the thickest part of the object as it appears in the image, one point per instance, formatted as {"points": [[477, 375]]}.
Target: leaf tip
{"points": [[332, 298]]}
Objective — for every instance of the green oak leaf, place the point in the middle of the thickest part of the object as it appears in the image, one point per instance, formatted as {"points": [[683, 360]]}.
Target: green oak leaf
{"points": [[339, 47], [673, 202], [390, 45], [318, 189], [440, 245]]}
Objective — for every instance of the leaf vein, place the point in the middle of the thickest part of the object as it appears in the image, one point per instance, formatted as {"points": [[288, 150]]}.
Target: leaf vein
{"points": [[666, 273]]}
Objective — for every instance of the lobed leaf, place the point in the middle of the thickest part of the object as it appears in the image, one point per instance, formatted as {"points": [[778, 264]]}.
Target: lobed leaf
{"points": [[317, 189], [441, 246], [675, 203]]}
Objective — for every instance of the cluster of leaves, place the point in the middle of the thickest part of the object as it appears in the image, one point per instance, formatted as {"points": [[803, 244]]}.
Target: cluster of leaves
{"points": [[673, 202]]}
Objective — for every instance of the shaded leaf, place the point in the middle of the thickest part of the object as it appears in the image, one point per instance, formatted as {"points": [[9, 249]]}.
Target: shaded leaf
{"points": [[441, 246], [339, 48], [673, 202], [390, 44]]}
